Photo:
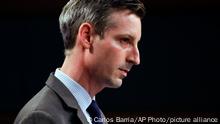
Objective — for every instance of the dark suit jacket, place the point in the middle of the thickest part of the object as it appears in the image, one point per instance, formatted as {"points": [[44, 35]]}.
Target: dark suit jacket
{"points": [[54, 104]]}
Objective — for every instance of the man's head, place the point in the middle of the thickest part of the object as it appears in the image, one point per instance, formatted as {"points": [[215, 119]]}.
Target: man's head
{"points": [[96, 12], [108, 31]]}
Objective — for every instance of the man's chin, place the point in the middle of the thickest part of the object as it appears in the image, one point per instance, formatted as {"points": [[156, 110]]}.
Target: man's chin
{"points": [[115, 84]]}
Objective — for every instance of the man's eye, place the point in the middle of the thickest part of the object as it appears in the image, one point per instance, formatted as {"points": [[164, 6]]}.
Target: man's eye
{"points": [[125, 40]]}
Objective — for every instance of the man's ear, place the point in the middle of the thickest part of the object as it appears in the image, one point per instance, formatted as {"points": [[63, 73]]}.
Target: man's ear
{"points": [[85, 33]]}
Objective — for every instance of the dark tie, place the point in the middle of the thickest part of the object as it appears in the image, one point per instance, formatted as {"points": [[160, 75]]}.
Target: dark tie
{"points": [[94, 113]]}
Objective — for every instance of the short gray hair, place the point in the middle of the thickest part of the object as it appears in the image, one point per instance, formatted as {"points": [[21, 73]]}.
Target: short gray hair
{"points": [[96, 12]]}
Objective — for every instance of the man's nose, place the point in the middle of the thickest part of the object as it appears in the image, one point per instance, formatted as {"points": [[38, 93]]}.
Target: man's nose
{"points": [[134, 56]]}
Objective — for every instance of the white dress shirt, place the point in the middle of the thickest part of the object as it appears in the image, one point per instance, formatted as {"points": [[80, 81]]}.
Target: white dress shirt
{"points": [[81, 95]]}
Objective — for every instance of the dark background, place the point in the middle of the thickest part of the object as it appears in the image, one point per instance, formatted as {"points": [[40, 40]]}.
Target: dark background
{"points": [[179, 70]]}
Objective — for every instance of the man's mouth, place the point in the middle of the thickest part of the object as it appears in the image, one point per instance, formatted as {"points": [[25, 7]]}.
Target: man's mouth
{"points": [[124, 72]]}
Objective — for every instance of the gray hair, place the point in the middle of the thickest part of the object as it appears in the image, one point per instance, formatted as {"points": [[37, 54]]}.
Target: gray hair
{"points": [[96, 12]]}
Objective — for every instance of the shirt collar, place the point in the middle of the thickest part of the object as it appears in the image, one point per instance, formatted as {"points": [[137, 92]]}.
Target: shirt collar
{"points": [[81, 95]]}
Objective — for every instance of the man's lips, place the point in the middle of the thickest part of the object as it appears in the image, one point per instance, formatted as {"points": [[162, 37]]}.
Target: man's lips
{"points": [[124, 71]]}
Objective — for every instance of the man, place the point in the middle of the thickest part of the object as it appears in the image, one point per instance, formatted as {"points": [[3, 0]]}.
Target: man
{"points": [[101, 46]]}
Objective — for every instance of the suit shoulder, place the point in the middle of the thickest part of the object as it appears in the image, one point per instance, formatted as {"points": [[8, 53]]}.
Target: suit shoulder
{"points": [[36, 117], [45, 99], [44, 106]]}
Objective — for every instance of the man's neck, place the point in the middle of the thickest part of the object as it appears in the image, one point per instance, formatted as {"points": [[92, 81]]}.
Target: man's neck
{"points": [[75, 69]]}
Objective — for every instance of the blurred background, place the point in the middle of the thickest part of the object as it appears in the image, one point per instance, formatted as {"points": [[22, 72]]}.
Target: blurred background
{"points": [[179, 70]]}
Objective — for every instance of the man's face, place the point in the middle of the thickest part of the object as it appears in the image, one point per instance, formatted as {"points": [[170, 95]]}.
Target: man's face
{"points": [[113, 56]]}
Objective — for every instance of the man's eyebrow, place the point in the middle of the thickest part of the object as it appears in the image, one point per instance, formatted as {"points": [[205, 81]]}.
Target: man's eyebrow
{"points": [[127, 36], [131, 37]]}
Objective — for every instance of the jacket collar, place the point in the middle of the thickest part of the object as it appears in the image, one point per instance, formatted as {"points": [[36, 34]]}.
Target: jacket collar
{"points": [[65, 95]]}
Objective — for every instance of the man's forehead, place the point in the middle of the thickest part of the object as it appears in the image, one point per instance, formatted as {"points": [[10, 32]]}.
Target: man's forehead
{"points": [[124, 23], [121, 15]]}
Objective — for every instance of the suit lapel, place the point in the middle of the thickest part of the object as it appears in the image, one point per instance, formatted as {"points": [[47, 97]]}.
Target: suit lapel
{"points": [[57, 86]]}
